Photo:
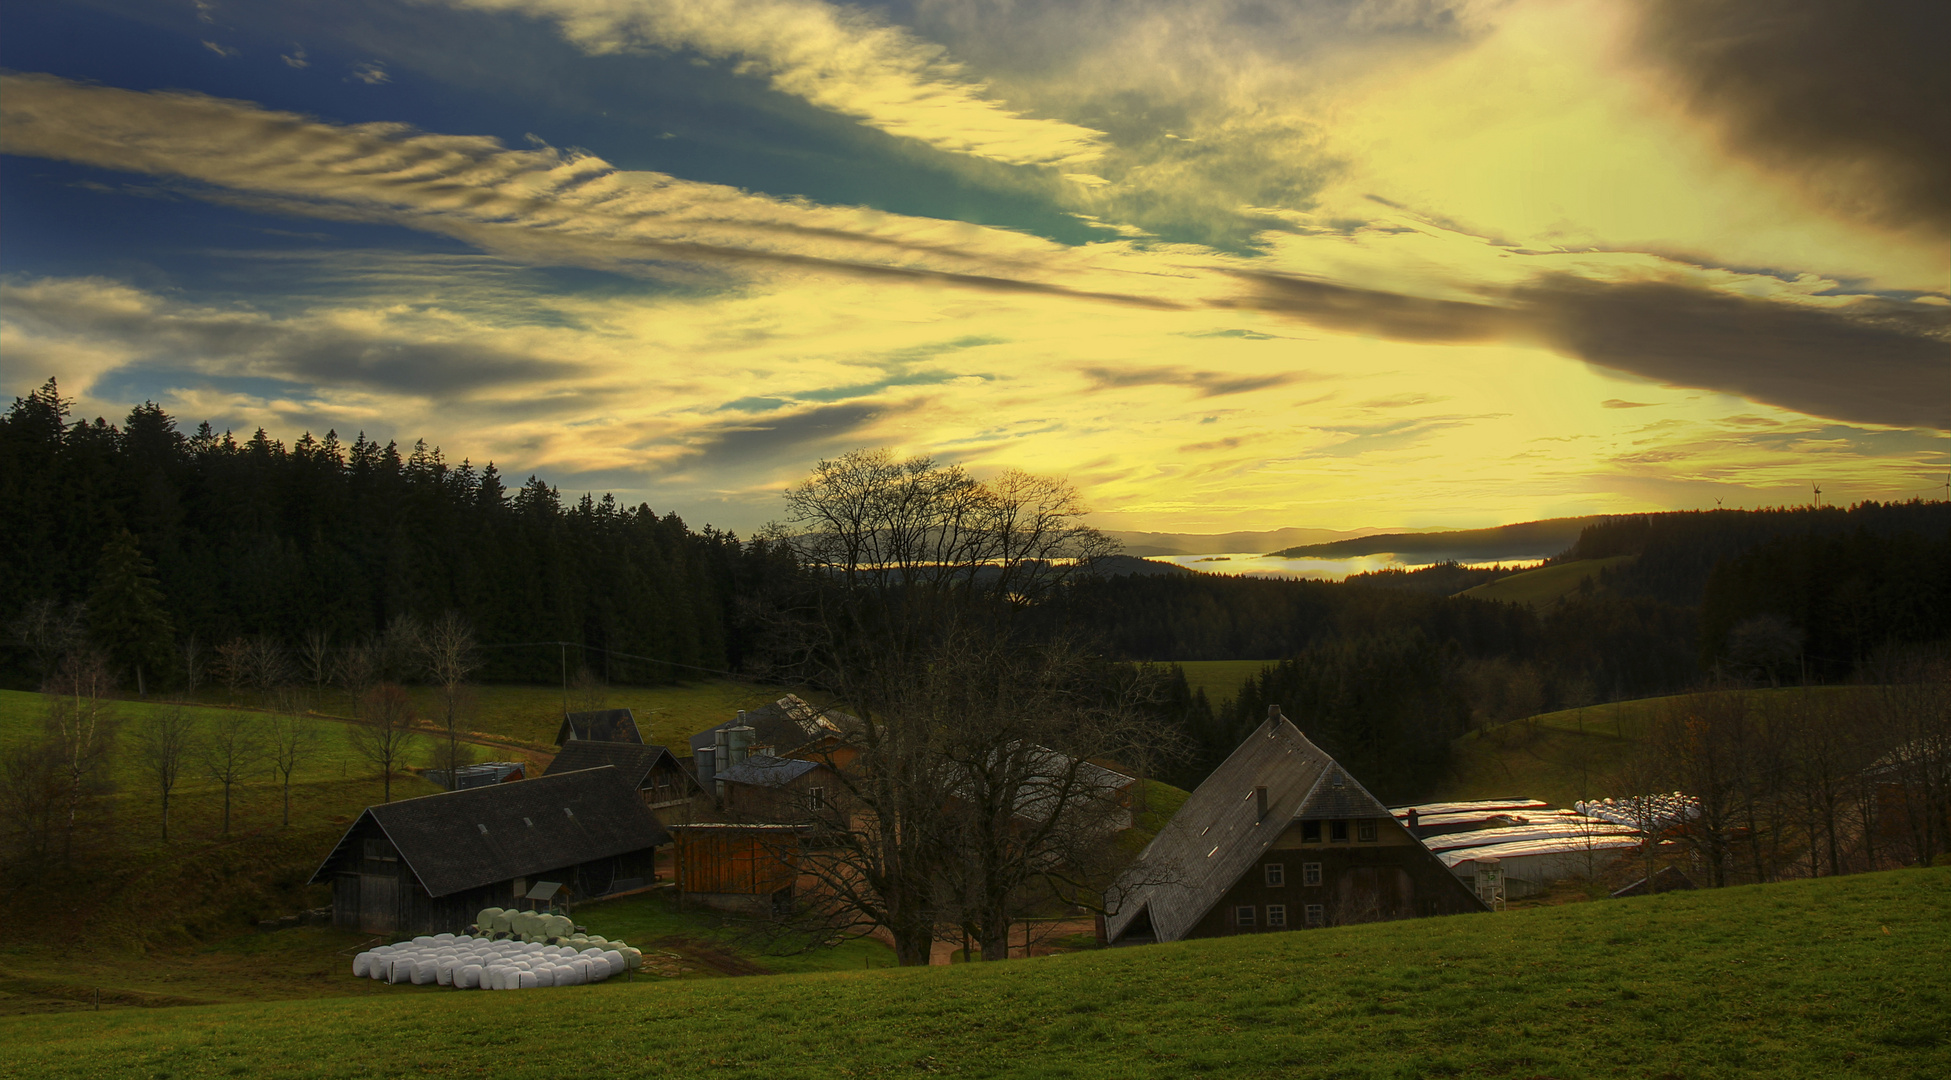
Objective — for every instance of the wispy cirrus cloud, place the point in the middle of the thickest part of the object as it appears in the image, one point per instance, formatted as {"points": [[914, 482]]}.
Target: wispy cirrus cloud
{"points": [[838, 58]]}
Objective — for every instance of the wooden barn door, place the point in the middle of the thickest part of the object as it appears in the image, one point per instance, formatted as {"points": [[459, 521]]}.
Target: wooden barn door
{"points": [[1374, 893], [379, 903]]}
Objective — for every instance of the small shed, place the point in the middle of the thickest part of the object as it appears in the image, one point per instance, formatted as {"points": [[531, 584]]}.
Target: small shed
{"points": [[601, 725], [664, 784], [482, 775], [427, 865], [746, 868]]}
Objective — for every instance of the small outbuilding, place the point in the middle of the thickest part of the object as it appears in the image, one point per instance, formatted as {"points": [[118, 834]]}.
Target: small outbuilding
{"points": [[1279, 837], [427, 865], [746, 868], [601, 725], [482, 775], [658, 777]]}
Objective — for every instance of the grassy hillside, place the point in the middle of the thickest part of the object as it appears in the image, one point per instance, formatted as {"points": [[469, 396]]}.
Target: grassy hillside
{"points": [[1221, 679], [1836, 977], [1542, 587], [1563, 756]]}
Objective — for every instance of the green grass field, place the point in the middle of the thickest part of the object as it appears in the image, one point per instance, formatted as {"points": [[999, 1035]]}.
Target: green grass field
{"points": [[1221, 679], [1565, 756], [1542, 587], [1830, 978]]}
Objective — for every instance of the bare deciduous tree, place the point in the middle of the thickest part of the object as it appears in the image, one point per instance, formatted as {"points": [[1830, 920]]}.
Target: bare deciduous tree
{"points": [[385, 735], [316, 654], [232, 748], [450, 654], [919, 577], [47, 630], [293, 740], [164, 743], [356, 669], [32, 788], [81, 730]]}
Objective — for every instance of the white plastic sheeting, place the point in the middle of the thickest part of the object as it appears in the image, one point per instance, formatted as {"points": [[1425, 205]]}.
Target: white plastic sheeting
{"points": [[1557, 828], [468, 963], [1661, 811]]}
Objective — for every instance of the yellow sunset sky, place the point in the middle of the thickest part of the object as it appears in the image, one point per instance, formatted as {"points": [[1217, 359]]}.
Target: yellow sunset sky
{"points": [[1227, 266]]}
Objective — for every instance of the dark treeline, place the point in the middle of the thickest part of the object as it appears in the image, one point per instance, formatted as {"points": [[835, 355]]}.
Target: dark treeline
{"points": [[254, 538]]}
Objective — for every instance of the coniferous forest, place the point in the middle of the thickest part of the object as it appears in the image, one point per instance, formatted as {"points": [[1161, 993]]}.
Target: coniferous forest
{"points": [[255, 538], [158, 542]]}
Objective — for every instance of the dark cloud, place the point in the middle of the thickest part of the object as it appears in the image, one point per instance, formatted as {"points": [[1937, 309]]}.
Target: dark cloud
{"points": [[789, 436], [1207, 383], [1620, 403], [1871, 361], [1851, 97]]}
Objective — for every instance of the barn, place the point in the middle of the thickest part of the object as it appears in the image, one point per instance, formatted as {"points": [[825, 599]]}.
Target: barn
{"points": [[658, 777], [1279, 837], [427, 865], [601, 725]]}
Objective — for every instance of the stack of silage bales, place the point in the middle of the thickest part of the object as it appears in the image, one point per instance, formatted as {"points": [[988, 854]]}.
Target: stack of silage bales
{"points": [[481, 963]]}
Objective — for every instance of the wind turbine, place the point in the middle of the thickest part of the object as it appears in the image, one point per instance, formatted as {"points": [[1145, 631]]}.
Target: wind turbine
{"points": [[1818, 491]]}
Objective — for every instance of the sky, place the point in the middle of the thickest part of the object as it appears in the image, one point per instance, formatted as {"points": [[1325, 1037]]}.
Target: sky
{"points": [[1224, 264]]}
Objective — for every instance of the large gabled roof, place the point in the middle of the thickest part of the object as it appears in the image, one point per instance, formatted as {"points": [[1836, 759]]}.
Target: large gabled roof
{"points": [[600, 725], [764, 770], [633, 760], [460, 840], [1219, 833]]}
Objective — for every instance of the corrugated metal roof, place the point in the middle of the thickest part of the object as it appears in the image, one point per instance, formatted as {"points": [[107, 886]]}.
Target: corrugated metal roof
{"points": [[1577, 829], [785, 725], [1427, 809], [1538, 847], [764, 770], [478, 836]]}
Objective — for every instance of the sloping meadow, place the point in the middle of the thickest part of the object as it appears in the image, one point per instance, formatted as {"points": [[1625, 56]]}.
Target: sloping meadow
{"points": [[1838, 977]]}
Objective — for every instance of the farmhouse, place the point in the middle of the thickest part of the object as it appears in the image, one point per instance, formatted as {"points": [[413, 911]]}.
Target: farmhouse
{"points": [[1279, 837], [426, 865], [602, 725], [657, 776]]}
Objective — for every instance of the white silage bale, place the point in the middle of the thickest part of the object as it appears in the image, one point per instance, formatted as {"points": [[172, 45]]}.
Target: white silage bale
{"points": [[591, 951], [379, 967], [569, 975], [527, 981], [484, 920], [469, 977], [444, 939], [402, 971], [424, 940], [504, 922], [585, 967], [618, 965], [444, 971], [361, 964], [633, 959], [426, 972]]}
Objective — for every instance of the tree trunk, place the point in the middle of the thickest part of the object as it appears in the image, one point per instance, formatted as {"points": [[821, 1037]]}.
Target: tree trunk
{"points": [[165, 815], [226, 809]]}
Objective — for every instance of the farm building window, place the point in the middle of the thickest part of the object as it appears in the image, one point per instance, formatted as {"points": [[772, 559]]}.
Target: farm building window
{"points": [[1365, 831], [1310, 832], [1338, 832], [1310, 873], [380, 851], [1276, 874], [1317, 914], [1276, 916], [816, 798], [1243, 915]]}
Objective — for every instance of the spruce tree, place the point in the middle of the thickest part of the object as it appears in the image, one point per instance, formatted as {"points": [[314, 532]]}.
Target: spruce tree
{"points": [[125, 612]]}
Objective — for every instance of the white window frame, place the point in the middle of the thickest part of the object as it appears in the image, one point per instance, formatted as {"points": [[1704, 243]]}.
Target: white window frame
{"points": [[816, 797], [1276, 916], [1311, 874], [1244, 917], [1274, 874], [1315, 915], [1365, 832]]}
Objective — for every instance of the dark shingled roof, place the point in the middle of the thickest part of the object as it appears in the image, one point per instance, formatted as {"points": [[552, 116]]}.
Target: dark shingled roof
{"points": [[602, 725], [633, 760], [1218, 835], [765, 770], [785, 725], [460, 840]]}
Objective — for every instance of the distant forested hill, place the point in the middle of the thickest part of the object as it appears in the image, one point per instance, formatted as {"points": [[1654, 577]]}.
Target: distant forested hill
{"points": [[255, 537]]}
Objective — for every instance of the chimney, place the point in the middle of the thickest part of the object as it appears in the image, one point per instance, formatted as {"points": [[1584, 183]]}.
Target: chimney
{"points": [[1260, 804], [1273, 712], [1412, 822]]}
